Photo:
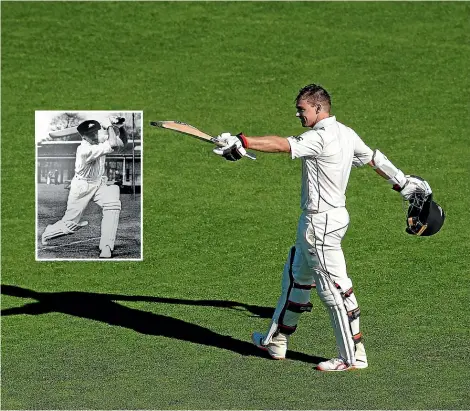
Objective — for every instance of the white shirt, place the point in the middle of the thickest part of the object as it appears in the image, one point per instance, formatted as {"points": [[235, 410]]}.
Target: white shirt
{"points": [[90, 159], [328, 151]]}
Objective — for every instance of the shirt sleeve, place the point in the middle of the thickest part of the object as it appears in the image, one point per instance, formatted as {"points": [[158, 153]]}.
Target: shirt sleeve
{"points": [[95, 151], [362, 153], [308, 144]]}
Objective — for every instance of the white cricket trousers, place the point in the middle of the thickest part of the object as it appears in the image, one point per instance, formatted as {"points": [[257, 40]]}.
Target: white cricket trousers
{"points": [[317, 261], [82, 191]]}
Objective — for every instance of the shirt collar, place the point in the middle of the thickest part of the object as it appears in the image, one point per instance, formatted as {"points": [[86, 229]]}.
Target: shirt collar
{"points": [[325, 122]]}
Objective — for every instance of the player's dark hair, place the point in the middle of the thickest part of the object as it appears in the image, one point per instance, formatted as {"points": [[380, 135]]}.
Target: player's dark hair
{"points": [[315, 94]]}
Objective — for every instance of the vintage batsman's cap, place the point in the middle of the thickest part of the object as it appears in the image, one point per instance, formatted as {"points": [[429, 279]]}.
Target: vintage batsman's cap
{"points": [[89, 126]]}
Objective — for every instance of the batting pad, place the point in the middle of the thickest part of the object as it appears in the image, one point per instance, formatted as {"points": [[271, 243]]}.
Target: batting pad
{"points": [[297, 281], [344, 286], [333, 300], [109, 224], [58, 229]]}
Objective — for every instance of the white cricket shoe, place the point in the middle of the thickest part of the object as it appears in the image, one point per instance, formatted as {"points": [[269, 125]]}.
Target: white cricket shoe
{"points": [[106, 252], [339, 364], [335, 364], [277, 348]]}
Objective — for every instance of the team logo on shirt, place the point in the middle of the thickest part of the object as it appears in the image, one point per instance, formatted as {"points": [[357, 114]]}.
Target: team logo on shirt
{"points": [[298, 138]]}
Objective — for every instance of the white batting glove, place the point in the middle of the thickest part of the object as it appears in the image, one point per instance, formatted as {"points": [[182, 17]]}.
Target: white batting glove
{"points": [[105, 124], [232, 148], [117, 121], [227, 139], [415, 185]]}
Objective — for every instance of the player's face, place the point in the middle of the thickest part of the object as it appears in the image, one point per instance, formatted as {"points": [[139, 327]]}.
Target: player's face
{"points": [[306, 113], [92, 138]]}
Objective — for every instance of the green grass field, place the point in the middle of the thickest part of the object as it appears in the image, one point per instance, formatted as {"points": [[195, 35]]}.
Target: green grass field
{"points": [[173, 331]]}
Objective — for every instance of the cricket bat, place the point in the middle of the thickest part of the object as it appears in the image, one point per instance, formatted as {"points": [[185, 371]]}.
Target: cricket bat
{"points": [[192, 131], [66, 132]]}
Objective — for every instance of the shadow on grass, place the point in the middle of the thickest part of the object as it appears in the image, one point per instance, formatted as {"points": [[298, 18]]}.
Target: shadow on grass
{"points": [[104, 308]]}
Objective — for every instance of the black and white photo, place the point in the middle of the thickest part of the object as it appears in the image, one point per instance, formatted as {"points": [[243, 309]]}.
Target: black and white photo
{"points": [[88, 185]]}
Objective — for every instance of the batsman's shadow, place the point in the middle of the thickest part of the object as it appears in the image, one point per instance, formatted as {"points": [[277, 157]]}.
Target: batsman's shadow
{"points": [[104, 308]]}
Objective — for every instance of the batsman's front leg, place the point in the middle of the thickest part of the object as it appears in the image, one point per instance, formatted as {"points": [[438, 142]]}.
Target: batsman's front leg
{"points": [[79, 197], [297, 283]]}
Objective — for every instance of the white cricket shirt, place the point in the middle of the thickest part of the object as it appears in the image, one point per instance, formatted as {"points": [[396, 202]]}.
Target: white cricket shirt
{"points": [[328, 151], [90, 159]]}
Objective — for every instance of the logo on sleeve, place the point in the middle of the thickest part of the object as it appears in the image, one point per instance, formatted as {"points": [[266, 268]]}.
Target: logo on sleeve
{"points": [[298, 138]]}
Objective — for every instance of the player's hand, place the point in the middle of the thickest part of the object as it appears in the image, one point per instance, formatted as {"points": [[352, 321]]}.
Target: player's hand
{"points": [[117, 121], [232, 149], [105, 124], [415, 185]]}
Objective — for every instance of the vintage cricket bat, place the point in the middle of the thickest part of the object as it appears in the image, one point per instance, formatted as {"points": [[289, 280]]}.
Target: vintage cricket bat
{"points": [[192, 131], [66, 132]]}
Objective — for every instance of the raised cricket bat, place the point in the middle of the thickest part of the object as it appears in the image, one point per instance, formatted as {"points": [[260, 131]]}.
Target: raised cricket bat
{"points": [[66, 132], [192, 131]]}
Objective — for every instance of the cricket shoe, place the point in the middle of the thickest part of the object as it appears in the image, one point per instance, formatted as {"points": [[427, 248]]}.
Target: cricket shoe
{"points": [[339, 364], [277, 348], [106, 252], [335, 364]]}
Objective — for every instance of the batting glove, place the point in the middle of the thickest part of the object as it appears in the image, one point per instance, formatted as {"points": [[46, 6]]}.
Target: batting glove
{"points": [[116, 121], [413, 185], [233, 148]]}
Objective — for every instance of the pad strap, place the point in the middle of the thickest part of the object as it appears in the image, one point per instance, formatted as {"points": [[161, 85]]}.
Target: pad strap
{"points": [[305, 286], [298, 307], [345, 294], [286, 329], [354, 314], [357, 338]]}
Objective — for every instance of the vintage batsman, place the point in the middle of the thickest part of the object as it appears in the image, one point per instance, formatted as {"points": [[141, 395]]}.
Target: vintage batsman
{"points": [[89, 183], [328, 151]]}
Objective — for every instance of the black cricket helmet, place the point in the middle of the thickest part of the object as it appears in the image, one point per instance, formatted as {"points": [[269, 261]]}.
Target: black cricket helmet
{"points": [[88, 130], [424, 216]]}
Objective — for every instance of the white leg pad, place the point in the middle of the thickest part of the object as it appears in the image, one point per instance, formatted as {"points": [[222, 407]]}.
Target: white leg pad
{"points": [[295, 296], [59, 229], [109, 223], [352, 307], [333, 301]]}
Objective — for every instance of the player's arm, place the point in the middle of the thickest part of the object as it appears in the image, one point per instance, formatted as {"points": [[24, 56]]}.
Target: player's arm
{"points": [[308, 144], [112, 137], [233, 148], [363, 155], [118, 136], [95, 151], [268, 144], [385, 168], [406, 185]]}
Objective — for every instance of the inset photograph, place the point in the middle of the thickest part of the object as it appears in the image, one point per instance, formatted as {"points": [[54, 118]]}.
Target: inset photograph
{"points": [[89, 185]]}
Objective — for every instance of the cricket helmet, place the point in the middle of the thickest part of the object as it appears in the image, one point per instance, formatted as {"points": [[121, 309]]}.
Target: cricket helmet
{"points": [[88, 130], [424, 216]]}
